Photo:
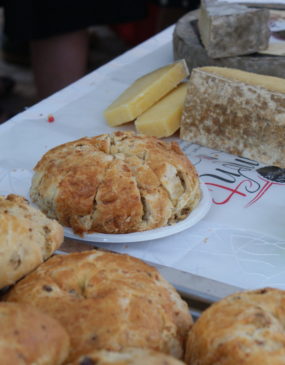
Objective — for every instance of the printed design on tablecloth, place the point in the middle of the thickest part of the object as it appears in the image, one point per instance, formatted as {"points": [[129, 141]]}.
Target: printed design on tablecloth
{"points": [[234, 175], [270, 175]]}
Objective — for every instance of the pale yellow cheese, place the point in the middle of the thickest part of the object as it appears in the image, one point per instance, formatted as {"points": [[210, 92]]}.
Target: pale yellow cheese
{"points": [[271, 83], [163, 118], [145, 92]]}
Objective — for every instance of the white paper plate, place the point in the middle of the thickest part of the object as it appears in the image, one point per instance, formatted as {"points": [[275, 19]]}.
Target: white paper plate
{"points": [[195, 216]]}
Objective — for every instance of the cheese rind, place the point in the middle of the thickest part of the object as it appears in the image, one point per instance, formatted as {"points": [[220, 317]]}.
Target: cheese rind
{"points": [[231, 29], [187, 45], [225, 111], [145, 92], [163, 118]]}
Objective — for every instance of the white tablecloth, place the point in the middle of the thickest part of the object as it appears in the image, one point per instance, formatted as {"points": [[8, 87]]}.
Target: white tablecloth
{"points": [[241, 241]]}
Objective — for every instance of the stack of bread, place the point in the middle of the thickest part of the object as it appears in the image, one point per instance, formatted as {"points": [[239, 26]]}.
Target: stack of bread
{"points": [[99, 307], [107, 301], [27, 239], [80, 308]]}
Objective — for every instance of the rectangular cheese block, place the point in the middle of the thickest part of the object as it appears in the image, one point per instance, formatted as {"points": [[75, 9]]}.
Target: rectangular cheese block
{"points": [[228, 30], [236, 111], [163, 118], [144, 92]]}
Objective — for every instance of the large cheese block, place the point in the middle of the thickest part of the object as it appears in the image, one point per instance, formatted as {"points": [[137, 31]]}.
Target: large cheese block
{"points": [[228, 30], [145, 92], [163, 118], [236, 111], [187, 44]]}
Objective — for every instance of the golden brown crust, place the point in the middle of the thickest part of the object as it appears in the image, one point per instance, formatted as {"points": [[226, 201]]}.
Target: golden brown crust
{"points": [[245, 328], [108, 301], [27, 238], [131, 356], [116, 183], [28, 336]]}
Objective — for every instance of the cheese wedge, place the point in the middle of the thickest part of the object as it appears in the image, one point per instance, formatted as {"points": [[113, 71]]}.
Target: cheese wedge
{"points": [[236, 111], [163, 118], [145, 92], [229, 30], [272, 83]]}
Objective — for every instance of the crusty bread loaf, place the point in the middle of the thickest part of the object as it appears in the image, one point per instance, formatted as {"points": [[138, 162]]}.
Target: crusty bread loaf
{"points": [[245, 328], [30, 337], [108, 301], [116, 183], [27, 238], [132, 356]]}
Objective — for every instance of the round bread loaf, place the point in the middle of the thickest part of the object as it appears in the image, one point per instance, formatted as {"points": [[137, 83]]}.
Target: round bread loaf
{"points": [[245, 328], [132, 356], [108, 301], [28, 336], [117, 183], [27, 238]]}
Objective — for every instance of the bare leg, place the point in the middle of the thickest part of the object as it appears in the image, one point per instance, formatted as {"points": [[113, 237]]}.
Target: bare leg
{"points": [[58, 61]]}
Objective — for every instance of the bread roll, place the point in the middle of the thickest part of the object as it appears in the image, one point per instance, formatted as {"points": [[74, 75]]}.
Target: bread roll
{"points": [[27, 238], [108, 301], [132, 356], [116, 183], [245, 328], [30, 337]]}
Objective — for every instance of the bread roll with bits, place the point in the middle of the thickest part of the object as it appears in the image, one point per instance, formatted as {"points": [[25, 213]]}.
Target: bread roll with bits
{"points": [[28, 336], [27, 238], [108, 301], [244, 328], [117, 183]]}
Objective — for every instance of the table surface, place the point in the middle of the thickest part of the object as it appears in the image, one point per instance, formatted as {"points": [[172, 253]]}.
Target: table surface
{"points": [[240, 243]]}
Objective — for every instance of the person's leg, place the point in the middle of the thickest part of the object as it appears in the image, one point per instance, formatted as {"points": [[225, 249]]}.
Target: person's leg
{"points": [[58, 61]]}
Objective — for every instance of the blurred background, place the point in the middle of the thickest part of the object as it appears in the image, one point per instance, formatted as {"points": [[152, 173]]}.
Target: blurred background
{"points": [[105, 42], [15, 65]]}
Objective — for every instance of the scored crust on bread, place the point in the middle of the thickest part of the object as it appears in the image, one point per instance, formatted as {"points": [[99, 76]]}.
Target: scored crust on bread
{"points": [[244, 328], [116, 183], [27, 238], [108, 301], [131, 356], [28, 336]]}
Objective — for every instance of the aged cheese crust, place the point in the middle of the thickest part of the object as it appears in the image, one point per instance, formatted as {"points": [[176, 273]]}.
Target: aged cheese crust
{"points": [[116, 183], [108, 301], [28, 336], [27, 238], [245, 328], [232, 30], [227, 112]]}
